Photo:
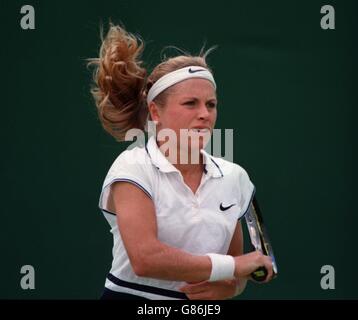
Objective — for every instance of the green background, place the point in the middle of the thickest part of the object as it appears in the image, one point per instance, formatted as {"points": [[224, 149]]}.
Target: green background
{"points": [[286, 87]]}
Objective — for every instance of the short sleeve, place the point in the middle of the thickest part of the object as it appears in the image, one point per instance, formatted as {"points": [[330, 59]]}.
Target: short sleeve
{"points": [[128, 167], [246, 192]]}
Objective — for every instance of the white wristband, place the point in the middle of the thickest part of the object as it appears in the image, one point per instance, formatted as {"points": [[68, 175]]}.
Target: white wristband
{"points": [[222, 267]]}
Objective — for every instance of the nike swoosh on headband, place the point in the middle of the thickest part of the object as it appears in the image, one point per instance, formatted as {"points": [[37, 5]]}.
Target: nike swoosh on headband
{"points": [[222, 208], [193, 71]]}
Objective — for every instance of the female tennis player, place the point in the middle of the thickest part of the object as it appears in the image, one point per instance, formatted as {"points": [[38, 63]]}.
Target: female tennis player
{"points": [[175, 222]]}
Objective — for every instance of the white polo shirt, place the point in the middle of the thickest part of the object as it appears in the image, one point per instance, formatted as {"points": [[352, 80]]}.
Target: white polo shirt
{"points": [[198, 223]]}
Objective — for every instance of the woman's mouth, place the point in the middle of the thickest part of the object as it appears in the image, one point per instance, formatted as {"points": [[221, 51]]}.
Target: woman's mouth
{"points": [[200, 130]]}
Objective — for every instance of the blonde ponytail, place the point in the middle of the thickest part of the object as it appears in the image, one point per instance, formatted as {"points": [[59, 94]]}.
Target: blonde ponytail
{"points": [[119, 83]]}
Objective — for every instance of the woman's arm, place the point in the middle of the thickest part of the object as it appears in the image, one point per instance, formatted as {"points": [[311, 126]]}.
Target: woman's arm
{"points": [[237, 249], [151, 258], [148, 256], [220, 289]]}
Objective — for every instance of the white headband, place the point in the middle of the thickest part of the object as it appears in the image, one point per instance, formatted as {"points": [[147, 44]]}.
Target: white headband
{"points": [[176, 76]]}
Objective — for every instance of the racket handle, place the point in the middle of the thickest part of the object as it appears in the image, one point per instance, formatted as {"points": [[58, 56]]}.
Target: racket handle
{"points": [[259, 274]]}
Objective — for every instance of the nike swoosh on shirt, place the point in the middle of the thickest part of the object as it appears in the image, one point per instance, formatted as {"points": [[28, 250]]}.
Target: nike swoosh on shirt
{"points": [[222, 208], [193, 71]]}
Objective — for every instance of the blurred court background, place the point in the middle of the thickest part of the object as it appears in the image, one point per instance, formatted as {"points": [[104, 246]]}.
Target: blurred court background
{"points": [[286, 87]]}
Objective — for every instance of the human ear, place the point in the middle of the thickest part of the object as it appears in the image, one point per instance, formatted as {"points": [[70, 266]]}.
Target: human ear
{"points": [[154, 112]]}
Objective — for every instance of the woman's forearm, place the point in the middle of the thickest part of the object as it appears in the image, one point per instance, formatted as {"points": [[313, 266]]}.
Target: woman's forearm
{"points": [[158, 260]]}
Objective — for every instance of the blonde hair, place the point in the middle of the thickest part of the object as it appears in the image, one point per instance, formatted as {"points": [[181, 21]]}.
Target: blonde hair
{"points": [[121, 83]]}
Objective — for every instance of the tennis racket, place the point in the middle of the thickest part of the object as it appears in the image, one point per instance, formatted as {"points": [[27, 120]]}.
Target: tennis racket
{"points": [[259, 239]]}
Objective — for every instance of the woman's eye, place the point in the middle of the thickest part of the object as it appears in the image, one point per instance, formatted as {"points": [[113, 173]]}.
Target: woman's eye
{"points": [[190, 103], [211, 105]]}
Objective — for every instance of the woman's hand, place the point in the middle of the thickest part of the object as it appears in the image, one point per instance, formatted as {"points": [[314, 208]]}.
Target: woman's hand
{"points": [[217, 290], [250, 262]]}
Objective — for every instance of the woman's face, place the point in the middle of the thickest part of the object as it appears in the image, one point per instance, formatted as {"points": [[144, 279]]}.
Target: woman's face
{"points": [[190, 104]]}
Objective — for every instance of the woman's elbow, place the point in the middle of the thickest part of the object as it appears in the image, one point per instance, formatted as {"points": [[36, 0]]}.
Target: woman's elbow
{"points": [[140, 269], [144, 258], [141, 265]]}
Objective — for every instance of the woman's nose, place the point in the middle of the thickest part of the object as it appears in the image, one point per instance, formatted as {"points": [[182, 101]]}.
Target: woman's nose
{"points": [[203, 112]]}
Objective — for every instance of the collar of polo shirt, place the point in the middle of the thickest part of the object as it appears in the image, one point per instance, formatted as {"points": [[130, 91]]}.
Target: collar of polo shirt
{"points": [[161, 162]]}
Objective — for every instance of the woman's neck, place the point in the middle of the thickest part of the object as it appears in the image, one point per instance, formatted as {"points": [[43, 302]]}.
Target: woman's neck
{"points": [[184, 161], [189, 169]]}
